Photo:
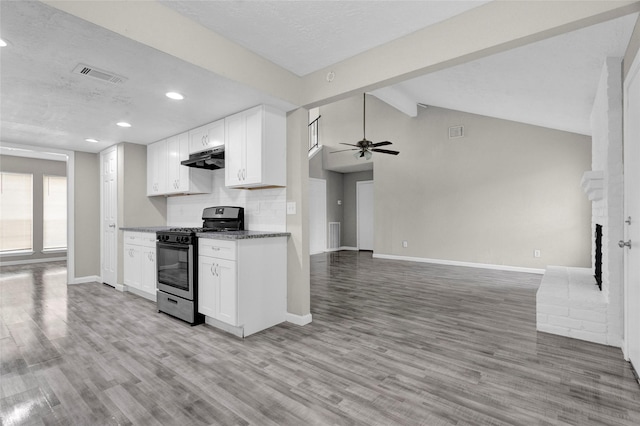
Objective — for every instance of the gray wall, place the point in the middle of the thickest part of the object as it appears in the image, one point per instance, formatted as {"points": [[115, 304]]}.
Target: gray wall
{"points": [[494, 196], [38, 168], [87, 214], [349, 232], [335, 188], [134, 207]]}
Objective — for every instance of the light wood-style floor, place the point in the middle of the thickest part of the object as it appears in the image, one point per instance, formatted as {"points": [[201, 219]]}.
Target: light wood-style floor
{"points": [[391, 343]]}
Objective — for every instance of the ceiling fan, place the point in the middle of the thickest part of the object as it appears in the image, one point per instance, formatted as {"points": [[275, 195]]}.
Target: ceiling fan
{"points": [[365, 147]]}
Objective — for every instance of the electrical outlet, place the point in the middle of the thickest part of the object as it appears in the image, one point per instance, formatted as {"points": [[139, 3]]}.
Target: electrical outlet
{"points": [[405, 244], [536, 253], [291, 207]]}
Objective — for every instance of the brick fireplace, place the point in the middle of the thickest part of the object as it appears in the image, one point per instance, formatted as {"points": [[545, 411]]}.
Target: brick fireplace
{"points": [[569, 302]]}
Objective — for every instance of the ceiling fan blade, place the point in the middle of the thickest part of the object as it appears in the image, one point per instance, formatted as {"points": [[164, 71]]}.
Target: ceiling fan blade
{"points": [[386, 151], [350, 144], [343, 150], [383, 143]]}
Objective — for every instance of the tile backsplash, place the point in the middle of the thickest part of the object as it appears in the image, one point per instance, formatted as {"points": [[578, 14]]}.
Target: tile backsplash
{"points": [[264, 209]]}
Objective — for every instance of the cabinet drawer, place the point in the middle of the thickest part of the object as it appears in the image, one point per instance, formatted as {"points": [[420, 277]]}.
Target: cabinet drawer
{"points": [[221, 249], [147, 239]]}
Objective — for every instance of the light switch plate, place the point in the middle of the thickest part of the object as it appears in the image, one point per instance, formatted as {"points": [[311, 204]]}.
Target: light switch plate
{"points": [[291, 207]]}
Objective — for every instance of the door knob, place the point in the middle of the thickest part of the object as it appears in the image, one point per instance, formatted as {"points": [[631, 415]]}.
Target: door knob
{"points": [[623, 244], [628, 221]]}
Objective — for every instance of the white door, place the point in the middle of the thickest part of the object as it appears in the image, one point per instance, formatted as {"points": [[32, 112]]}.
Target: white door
{"points": [[364, 195], [632, 211], [108, 213], [317, 215]]}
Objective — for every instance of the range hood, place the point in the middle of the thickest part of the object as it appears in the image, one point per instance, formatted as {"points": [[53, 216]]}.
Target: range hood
{"points": [[211, 159]]}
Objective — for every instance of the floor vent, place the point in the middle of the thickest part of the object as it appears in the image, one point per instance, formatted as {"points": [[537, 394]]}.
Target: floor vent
{"points": [[99, 74], [334, 235]]}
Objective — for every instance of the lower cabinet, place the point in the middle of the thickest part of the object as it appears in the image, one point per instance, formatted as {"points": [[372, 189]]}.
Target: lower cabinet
{"points": [[217, 287], [242, 284], [140, 271]]}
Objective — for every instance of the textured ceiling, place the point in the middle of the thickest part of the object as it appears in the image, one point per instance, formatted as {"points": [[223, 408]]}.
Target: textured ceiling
{"points": [[304, 36], [550, 83]]}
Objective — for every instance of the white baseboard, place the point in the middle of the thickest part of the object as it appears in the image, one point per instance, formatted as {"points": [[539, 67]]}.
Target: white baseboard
{"points": [[87, 279], [26, 261], [343, 248], [458, 263], [298, 319], [120, 287]]}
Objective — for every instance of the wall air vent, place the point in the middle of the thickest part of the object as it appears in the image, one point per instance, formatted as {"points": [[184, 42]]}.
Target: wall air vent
{"points": [[456, 132], [99, 74]]}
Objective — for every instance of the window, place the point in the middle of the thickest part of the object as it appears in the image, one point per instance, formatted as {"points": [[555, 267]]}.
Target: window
{"points": [[54, 213], [16, 212]]}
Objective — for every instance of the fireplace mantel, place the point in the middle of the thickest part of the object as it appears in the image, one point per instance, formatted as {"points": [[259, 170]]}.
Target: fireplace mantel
{"points": [[592, 184]]}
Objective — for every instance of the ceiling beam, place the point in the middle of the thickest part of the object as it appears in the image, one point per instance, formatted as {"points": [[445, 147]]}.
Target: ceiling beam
{"points": [[397, 99], [488, 29], [157, 26]]}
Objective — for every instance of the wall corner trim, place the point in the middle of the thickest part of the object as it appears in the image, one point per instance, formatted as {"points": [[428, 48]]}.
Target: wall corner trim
{"points": [[298, 319], [458, 263]]}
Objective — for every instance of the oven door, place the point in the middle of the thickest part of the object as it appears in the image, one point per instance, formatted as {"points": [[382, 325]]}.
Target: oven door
{"points": [[176, 269]]}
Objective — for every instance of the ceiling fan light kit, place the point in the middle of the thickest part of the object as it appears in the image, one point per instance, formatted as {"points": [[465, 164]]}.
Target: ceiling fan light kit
{"points": [[365, 148]]}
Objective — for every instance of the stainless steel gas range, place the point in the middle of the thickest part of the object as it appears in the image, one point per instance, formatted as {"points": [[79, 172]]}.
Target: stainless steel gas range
{"points": [[177, 262]]}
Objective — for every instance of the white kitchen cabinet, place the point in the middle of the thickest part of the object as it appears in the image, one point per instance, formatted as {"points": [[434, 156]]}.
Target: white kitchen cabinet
{"points": [[217, 287], [156, 168], [206, 137], [255, 148], [140, 273], [171, 177], [242, 284]]}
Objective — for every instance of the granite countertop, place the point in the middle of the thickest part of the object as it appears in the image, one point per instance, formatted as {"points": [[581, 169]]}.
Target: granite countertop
{"points": [[226, 235], [241, 235], [146, 228]]}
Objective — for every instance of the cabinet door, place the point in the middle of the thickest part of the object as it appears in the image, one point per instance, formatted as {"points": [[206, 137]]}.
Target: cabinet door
{"points": [[208, 283], [234, 149], [149, 272], [227, 291], [197, 139], [215, 134], [132, 266], [183, 172], [252, 173], [157, 168], [173, 164]]}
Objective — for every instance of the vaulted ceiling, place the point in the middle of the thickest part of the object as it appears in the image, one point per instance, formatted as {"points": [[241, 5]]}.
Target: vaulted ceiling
{"points": [[199, 48]]}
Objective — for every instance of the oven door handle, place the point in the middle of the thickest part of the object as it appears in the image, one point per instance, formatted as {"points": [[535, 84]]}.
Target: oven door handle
{"points": [[172, 245]]}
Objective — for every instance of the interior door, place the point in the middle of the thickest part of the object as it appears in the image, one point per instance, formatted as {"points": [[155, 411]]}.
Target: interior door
{"points": [[317, 215], [632, 214], [109, 219], [364, 194]]}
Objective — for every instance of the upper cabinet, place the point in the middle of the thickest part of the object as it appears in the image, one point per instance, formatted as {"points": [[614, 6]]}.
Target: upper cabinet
{"points": [[156, 167], [255, 148], [165, 174], [206, 137]]}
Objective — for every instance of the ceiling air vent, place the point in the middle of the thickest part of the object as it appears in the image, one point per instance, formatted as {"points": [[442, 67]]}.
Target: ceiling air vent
{"points": [[456, 132], [99, 74]]}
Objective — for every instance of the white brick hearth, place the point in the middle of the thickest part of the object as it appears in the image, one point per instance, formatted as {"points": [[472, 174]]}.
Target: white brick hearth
{"points": [[568, 301], [570, 304]]}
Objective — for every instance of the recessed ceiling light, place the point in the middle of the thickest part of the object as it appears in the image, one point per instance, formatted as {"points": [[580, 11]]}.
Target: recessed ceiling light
{"points": [[174, 95], [3, 43], [92, 140], [123, 124]]}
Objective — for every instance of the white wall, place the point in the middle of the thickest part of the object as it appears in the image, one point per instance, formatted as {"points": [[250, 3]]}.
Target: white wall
{"points": [[265, 209]]}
